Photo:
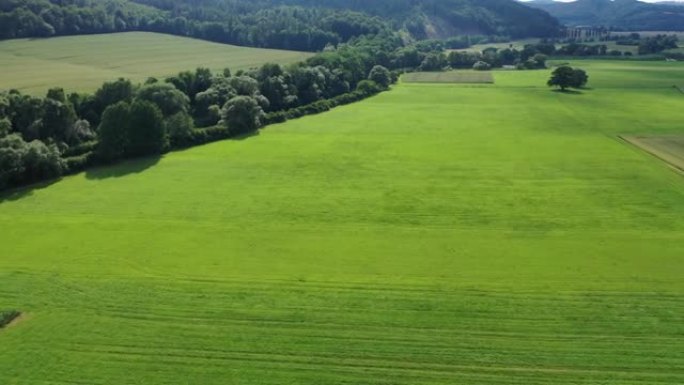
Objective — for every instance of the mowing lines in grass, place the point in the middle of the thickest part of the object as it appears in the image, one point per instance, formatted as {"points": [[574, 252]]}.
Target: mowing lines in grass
{"points": [[464, 77], [669, 148]]}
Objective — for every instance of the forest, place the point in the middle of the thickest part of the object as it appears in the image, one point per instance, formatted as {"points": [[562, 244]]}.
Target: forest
{"points": [[286, 24]]}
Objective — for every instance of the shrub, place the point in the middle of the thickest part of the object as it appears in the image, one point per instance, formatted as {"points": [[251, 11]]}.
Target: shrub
{"points": [[482, 66]]}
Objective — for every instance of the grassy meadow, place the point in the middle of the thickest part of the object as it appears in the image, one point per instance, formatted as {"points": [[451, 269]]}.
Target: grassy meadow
{"points": [[434, 234], [83, 63]]}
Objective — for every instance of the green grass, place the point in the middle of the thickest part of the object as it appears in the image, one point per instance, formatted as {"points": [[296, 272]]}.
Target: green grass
{"points": [[83, 63], [467, 77], [434, 234]]}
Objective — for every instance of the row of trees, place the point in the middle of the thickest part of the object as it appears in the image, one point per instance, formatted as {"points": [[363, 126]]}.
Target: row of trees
{"points": [[42, 138]]}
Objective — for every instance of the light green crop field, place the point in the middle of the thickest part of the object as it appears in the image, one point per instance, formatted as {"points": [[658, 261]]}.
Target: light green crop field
{"points": [[83, 63], [434, 234], [465, 76]]}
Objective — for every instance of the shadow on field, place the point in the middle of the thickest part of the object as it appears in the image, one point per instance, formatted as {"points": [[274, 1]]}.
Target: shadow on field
{"points": [[128, 167], [246, 136], [569, 92], [25, 191]]}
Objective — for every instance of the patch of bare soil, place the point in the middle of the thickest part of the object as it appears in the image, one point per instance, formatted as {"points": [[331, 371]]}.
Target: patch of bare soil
{"points": [[668, 148]]}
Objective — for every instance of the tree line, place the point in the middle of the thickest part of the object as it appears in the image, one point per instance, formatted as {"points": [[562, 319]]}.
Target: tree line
{"points": [[45, 137]]}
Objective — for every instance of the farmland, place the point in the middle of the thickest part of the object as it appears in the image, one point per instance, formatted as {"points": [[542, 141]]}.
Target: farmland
{"points": [[83, 63], [433, 234], [449, 77]]}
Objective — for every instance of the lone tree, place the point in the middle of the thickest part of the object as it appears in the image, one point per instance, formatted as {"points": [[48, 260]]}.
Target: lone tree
{"points": [[566, 77]]}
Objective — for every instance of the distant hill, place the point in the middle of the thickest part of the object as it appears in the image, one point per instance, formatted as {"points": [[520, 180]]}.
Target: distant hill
{"points": [[621, 14], [309, 25]]}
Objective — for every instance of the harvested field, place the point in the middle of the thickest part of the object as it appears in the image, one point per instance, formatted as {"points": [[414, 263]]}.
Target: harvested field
{"points": [[669, 148], [466, 77]]}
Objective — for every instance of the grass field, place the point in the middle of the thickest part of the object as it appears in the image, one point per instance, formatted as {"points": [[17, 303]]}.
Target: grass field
{"points": [[434, 234], [449, 77], [83, 63]]}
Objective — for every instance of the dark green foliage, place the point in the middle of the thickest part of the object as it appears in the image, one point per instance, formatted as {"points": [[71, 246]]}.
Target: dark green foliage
{"points": [[131, 130], [657, 44], [242, 114], [179, 127], [7, 316], [111, 93], [5, 127], [112, 134], [565, 77], [434, 61], [167, 97], [381, 76], [146, 132], [22, 162]]}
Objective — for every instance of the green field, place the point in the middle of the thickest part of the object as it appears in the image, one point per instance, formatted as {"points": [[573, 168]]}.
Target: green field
{"points": [[466, 77], [83, 63], [434, 234]]}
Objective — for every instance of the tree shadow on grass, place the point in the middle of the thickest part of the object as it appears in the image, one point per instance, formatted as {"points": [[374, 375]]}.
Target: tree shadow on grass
{"points": [[247, 135], [25, 191], [124, 168], [569, 92]]}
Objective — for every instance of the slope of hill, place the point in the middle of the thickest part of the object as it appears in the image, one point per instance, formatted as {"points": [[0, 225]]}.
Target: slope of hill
{"points": [[83, 63], [287, 24], [421, 18], [623, 14]]}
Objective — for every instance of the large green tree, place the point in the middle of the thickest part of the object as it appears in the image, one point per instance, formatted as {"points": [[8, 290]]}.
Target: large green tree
{"points": [[565, 77], [146, 132], [242, 114]]}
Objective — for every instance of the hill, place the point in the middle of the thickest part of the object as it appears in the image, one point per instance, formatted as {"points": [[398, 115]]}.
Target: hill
{"points": [[631, 15], [435, 234], [287, 24], [83, 63]]}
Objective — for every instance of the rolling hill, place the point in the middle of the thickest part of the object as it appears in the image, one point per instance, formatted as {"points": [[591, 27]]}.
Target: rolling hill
{"points": [[630, 15], [83, 63]]}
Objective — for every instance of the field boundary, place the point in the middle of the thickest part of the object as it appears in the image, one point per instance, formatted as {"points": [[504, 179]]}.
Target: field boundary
{"points": [[449, 77], [646, 144]]}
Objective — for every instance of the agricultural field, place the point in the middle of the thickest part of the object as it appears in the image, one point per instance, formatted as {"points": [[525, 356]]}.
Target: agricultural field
{"points": [[83, 63], [669, 148], [449, 77], [433, 234]]}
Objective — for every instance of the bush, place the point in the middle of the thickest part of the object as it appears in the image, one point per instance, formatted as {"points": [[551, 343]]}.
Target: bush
{"points": [[381, 76], [79, 163], [368, 87], [22, 162], [482, 66], [242, 114]]}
